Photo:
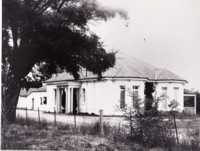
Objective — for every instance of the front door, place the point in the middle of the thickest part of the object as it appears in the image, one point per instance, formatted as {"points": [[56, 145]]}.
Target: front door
{"points": [[63, 100], [75, 100]]}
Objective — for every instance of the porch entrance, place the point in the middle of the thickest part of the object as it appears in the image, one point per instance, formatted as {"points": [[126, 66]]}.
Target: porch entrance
{"points": [[63, 100], [75, 100], [67, 100]]}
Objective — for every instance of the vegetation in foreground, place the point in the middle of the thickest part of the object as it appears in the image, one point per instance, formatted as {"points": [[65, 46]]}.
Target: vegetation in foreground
{"points": [[31, 135]]}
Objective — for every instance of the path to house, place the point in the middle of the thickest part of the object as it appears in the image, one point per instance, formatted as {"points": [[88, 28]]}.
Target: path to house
{"points": [[69, 119]]}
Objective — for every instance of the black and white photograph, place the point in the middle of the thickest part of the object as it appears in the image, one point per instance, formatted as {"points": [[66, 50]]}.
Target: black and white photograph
{"points": [[100, 75]]}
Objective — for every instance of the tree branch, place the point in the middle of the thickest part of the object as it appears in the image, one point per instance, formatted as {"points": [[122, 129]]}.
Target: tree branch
{"points": [[37, 4], [45, 6], [60, 6], [14, 31]]}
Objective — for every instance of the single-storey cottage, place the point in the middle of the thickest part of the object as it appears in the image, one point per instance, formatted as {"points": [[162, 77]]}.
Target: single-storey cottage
{"points": [[88, 94]]}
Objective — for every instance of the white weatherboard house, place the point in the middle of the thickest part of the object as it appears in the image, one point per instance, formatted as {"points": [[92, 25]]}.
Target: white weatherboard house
{"points": [[88, 95]]}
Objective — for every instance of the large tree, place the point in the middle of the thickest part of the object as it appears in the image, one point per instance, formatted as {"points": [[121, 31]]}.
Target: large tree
{"points": [[44, 37]]}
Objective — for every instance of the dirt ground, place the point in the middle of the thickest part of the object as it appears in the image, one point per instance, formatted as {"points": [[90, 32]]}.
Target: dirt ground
{"points": [[45, 136], [113, 121], [69, 119]]}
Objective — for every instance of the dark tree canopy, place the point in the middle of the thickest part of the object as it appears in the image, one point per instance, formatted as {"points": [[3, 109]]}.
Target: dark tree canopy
{"points": [[50, 36]]}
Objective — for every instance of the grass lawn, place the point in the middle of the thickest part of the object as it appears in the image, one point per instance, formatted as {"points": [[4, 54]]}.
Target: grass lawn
{"points": [[33, 136], [30, 135]]}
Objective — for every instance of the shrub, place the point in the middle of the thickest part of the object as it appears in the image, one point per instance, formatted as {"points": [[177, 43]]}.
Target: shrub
{"points": [[118, 134], [193, 134], [94, 129], [185, 145], [147, 127]]}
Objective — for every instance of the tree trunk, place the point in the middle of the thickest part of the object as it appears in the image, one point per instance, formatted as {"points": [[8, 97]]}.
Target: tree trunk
{"points": [[9, 104]]}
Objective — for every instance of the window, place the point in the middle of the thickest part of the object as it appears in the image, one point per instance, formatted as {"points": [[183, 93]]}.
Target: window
{"points": [[189, 101], [164, 98], [164, 91], [55, 96], [175, 93], [40, 100], [83, 94], [122, 97], [32, 103], [135, 91], [44, 100]]}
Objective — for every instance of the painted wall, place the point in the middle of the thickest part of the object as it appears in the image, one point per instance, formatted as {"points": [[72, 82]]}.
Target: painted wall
{"points": [[23, 103], [171, 89], [33, 101], [106, 95], [96, 95], [51, 97]]}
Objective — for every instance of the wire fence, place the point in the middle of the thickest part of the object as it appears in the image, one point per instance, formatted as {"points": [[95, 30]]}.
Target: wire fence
{"points": [[55, 118]]}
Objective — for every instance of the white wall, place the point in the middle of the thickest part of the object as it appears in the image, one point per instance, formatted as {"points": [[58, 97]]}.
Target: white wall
{"points": [[51, 97], [170, 94], [24, 102], [100, 95], [106, 95]]}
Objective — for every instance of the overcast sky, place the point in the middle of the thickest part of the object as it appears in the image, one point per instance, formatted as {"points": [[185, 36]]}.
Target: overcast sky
{"points": [[164, 33]]}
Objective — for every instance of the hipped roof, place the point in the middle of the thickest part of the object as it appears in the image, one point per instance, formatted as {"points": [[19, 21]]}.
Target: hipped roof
{"points": [[186, 91], [126, 67], [25, 93]]}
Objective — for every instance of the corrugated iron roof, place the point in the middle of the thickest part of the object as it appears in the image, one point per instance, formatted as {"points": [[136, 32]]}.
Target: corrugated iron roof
{"points": [[126, 66], [25, 93], [186, 91], [164, 74]]}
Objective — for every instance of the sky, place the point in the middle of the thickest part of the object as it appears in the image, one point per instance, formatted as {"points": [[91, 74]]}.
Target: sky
{"points": [[163, 33]]}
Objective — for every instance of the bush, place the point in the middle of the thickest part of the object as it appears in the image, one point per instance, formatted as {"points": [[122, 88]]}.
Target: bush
{"points": [[152, 131], [147, 127], [183, 146], [94, 129]]}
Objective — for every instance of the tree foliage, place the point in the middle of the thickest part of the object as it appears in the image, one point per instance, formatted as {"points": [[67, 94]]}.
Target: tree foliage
{"points": [[147, 127], [44, 37]]}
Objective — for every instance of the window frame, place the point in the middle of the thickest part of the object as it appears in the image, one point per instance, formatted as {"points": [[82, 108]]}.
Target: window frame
{"points": [[45, 100], [122, 96], [135, 90]]}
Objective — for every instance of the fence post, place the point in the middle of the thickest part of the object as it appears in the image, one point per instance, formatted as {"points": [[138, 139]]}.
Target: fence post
{"points": [[39, 115], [75, 120], [55, 116], [101, 123], [175, 127], [131, 128], [26, 114]]}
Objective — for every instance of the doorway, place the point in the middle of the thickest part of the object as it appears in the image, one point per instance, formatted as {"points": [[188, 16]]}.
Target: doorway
{"points": [[32, 103], [75, 100], [63, 100]]}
